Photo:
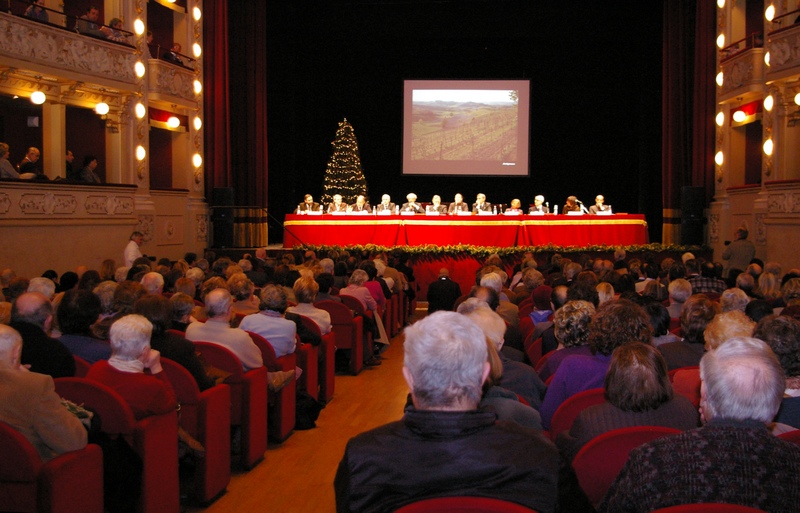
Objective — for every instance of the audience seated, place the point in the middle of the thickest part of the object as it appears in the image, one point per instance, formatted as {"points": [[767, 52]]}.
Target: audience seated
{"points": [[725, 326], [32, 316], [29, 403], [614, 324], [79, 309], [412, 459], [146, 394], [697, 312], [660, 321], [782, 333], [638, 393], [503, 401], [571, 330], [679, 291], [733, 458], [305, 290]]}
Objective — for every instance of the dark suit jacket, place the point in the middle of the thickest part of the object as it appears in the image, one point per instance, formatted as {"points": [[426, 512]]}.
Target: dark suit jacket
{"points": [[543, 209], [45, 355], [442, 209], [365, 208], [381, 208], [416, 207], [595, 209], [485, 207], [442, 294], [304, 207], [461, 207]]}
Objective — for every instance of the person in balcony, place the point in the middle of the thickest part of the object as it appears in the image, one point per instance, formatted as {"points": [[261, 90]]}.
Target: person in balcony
{"points": [[87, 24], [87, 173], [6, 169], [30, 167], [36, 11], [114, 31], [173, 54]]}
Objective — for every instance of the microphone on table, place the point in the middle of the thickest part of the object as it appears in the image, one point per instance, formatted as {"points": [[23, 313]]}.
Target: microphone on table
{"points": [[547, 204], [579, 202]]}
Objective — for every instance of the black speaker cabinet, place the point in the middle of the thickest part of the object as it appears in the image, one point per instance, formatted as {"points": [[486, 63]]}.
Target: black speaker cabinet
{"points": [[692, 205], [222, 216]]}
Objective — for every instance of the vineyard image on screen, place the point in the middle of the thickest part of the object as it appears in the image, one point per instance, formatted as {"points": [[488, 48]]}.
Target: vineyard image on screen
{"points": [[469, 128]]}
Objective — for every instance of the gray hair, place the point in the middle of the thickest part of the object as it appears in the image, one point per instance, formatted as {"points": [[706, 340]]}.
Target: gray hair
{"points": [[45, 286], [182, 305], [129, 336], [492, 325], [196, 275], [246, 265], [493, 281], [327, 265], [105, 292], [733, 299], [445, 353], [153, 282], [571, 323], [359, 277], [743, 381], [218, 302], [273, 298], [121, 274], [10, 339], [532, 278], [679, 290]]}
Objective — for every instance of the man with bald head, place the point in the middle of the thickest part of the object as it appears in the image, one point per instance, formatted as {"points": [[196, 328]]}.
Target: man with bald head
{"points": [[32, 316]]}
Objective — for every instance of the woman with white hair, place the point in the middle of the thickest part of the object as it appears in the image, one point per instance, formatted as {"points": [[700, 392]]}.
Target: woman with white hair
{"points": [[146, 394], [306, 289]]}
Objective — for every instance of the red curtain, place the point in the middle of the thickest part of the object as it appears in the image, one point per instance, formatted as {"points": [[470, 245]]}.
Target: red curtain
{"points": [[688, 102], [215, 97]]}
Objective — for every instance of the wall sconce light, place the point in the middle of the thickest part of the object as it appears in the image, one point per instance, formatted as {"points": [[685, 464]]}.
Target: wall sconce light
{"points": [[196, 13], [769, 12], [139, 69], [719, 158], [719, 79], [198, 123], [140, 110], [197, 160], [196, 50], [721, 3], [797, 98], [102, 109], [198, 87], [141, 153], [138, 27], [173, 122], [721, 41], [768, 147], [720, 118], [739, 116], [769, 102], [38, 98], [766, 58]]}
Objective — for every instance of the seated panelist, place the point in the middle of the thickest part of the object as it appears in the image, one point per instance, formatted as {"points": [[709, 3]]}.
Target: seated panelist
{"points": [[386, 204], [538, 206], [481, 205], [458, 205], [337, 205], [572, 205], [308, 204], [412, 205], [599, 205], [515, 207], [436, 205], [360, 205]]}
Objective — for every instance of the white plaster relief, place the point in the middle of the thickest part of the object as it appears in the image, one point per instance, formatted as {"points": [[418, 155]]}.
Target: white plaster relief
{"points": [[48, 203], [145, 226], [713, 228], [202, 227], [5, 203], [172, 81], [66, 50], [760, 229]]}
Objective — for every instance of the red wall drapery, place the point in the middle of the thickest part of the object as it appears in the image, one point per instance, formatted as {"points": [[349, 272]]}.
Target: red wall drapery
{"points": [[215, 98]]}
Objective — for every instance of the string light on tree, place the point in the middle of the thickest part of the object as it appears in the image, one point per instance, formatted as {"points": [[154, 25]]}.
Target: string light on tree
{"points": [[344, 174]]}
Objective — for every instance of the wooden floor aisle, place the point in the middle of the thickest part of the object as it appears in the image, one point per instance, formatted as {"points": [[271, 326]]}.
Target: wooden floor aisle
{"points": [[297, 476]]}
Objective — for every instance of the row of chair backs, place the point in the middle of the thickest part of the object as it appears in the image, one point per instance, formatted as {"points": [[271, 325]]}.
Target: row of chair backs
{"points": [[686, 382], [327, 373], [29, 485], [348, 331], [709, 507], [568, 410], [599, 462], [464, 505], [206, 416], [154, 438], [284, 401], [248, 400]]}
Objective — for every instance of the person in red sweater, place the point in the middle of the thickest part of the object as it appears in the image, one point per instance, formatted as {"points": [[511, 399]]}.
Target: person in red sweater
{"points": [[146, 394]]}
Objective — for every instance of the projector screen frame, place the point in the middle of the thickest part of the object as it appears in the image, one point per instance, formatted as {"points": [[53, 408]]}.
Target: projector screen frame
{"points": [[518, 167]]}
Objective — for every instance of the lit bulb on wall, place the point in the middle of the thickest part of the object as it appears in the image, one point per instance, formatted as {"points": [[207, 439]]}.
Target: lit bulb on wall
{"points": [[739, 116], [797, 98], [196, 13], [719, 79], [769, 13], [721, 3], [196, 50], [769, 102], [198, 123], [718, 158], [766, 58], [721, 41], [768, 147], [140, 110], [173, 122], [198, 87], [141, 153], [138, 27], [101, 108], [197, 160], [38, 98], [720, 119], [139, 69]]}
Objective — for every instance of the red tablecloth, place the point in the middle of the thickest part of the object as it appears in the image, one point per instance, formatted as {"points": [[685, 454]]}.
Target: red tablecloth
{"points": [[500, 231]]}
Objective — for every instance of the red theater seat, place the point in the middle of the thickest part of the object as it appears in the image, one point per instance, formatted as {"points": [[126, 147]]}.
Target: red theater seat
{"points": [[248, 400], [60, 485], [206, 416], [327, 369], [347, 330], [569, 409], [154, 438], [463, 505], [284, 401]]}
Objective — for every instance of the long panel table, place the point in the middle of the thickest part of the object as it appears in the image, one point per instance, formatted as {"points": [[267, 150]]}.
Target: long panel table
{"points": [[499, 231]]}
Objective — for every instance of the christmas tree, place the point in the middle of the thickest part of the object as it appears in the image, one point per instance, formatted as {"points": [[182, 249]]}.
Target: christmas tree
{"points": [[344, 174]]}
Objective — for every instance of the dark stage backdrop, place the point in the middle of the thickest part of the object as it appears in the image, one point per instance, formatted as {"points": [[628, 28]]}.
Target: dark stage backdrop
{"points": [[595, 93]]}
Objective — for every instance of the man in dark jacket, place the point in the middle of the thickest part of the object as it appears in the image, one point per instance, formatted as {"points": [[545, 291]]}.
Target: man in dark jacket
{"points": [[443, 292]]}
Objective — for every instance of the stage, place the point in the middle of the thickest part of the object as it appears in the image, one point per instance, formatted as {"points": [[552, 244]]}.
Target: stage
{"points": [[492, 231]]}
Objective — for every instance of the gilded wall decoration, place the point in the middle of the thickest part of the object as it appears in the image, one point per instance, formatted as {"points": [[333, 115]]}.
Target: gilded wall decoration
{"points": [[202, 227], [145, 225], [760, 229], [713, 228], [113, 205], [167, 79], [5, 203]]}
